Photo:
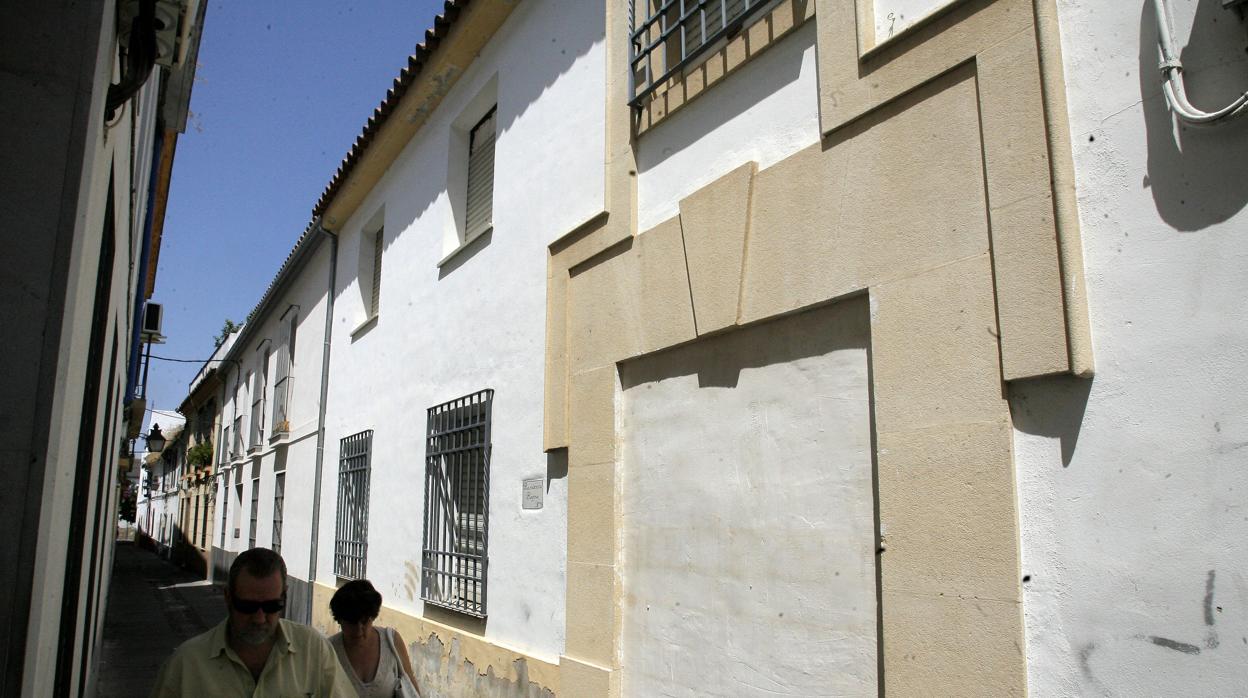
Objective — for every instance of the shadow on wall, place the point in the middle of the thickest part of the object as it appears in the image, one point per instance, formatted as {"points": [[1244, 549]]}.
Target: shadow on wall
{"points": [[842, 323], [1197, 175], [1052, 406], [739, 92]]}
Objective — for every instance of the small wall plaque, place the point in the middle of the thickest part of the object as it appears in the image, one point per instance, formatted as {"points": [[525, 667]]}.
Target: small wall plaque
{"points": [[533, 490]]}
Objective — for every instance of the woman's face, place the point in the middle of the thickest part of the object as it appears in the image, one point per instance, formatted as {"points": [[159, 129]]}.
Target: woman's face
{"points": [[356, 631]]}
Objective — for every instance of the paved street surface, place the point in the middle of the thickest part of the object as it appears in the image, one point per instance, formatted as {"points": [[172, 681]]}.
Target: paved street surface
{"points": [[153, 606]]}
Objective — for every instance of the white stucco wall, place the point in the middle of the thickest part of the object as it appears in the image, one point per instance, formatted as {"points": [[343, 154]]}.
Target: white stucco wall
{"points": [[476, 322], [1132, 486], [748, 514], [764, 112], [296, 455]]}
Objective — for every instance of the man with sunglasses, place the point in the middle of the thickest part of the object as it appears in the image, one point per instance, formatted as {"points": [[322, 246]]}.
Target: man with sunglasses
{"points": [[254, 651]]}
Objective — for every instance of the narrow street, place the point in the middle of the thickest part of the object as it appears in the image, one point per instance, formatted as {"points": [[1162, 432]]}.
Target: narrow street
{"points": [[153, 606]]}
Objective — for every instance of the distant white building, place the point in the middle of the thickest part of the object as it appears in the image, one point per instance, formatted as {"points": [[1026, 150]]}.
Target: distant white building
{"points": [[818, 348]]}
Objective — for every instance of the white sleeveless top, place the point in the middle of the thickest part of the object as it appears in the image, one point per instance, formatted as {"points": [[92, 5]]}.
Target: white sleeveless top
{"points": [[386, 680]]}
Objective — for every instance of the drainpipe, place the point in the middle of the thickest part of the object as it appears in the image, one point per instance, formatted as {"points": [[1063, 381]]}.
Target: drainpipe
{"points": [[320, 422]]}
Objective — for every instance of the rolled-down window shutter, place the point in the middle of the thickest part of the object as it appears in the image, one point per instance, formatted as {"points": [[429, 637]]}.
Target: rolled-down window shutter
{"points": [[480, 203], [375, 301]]}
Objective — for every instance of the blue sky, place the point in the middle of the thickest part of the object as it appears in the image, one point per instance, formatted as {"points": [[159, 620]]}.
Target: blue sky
{"points": [[281, 91]]}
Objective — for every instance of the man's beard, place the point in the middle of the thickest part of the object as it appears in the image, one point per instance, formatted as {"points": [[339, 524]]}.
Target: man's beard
{"points": [[253, 635]]}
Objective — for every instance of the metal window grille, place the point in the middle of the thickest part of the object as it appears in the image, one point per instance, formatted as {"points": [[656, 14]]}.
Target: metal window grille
{"points": [[225, 508], [374, 305], [255, 512], [259, 386], [285, 361], [203, 524], [351, 532], [457, 487], [279, 497], [670, 35], [195, 521], [480, 201]]}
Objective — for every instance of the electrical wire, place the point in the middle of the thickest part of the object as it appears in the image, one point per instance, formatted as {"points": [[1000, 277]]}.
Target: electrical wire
{"points": [[1172, 70], [191, 361]]}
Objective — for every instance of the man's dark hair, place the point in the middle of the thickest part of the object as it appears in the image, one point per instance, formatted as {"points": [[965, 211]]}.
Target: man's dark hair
{"points": [[355, 601], [259, 563]]}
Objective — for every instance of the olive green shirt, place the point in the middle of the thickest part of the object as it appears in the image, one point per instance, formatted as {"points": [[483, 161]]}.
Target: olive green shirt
{"points": [[302, 663]]}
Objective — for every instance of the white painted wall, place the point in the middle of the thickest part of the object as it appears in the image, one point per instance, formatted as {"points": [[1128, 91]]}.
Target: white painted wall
{"points": [[748, 514], [764, 112], [296, 455], [1132, 487], [892, 17], [477, 322]]}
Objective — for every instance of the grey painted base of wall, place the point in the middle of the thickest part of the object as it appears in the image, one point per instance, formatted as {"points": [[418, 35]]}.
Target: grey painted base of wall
{"points": [[221, 561], [298, 592]]}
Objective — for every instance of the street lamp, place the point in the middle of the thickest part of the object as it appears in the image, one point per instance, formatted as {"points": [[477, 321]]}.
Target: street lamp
{"points": [[155, 439]]}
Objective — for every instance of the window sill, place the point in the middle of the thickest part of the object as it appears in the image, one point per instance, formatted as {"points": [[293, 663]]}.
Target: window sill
{"points": [[364, 326], [463, 246]]}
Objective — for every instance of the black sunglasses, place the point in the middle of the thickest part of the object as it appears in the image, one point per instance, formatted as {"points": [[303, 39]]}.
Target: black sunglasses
{"points": [[250, 607]]}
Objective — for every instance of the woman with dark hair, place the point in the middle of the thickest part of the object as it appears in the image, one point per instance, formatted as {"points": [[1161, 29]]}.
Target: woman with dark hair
{"points": [[375, 659]]}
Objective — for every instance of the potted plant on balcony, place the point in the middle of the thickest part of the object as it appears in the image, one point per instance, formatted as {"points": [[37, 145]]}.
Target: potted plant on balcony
{"points": [[200, 454]]}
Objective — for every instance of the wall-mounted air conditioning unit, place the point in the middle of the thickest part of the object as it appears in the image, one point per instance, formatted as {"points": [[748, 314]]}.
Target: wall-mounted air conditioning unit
{"points": [[153, 316]]}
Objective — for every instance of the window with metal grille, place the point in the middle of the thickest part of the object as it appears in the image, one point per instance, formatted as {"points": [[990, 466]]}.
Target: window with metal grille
{"points": [[255, 512], [285, 362], [203, 526], [668, 36], [479, 206], [225, 508], [351, 531], [258, 388], [279, 496], [457, 504]]}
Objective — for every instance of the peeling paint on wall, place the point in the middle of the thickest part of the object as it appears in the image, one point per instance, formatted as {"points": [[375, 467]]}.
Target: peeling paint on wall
{"points": [[443, 672]]}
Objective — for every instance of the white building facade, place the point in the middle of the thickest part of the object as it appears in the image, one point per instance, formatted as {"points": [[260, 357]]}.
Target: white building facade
{"points": [[885, 346]]}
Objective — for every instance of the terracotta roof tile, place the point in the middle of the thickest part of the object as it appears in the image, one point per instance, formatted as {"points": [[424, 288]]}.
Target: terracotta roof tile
{"points": [[415, 63]]}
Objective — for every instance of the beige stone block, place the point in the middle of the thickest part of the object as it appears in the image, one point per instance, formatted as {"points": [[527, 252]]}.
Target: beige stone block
{"points": [[944, 646], [630, 300], [555, 399], [600, 232], [591, 514], [851, 86], [934, 348], [1024, 237], [591, 616], [1012, 112], [666, 310], [900, 192], [604, 317], [1061, 162], [1030, 302], [579, 679], [591, 416], [948, 518], [715, 222]]}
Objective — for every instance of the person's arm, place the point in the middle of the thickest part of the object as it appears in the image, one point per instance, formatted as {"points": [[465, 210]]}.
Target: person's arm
{"points": [[401, 647]]}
